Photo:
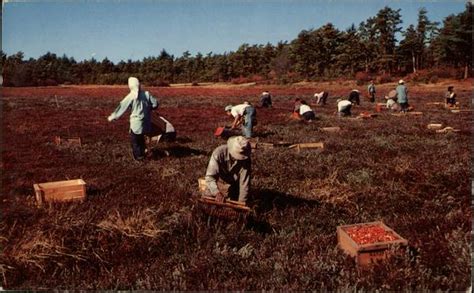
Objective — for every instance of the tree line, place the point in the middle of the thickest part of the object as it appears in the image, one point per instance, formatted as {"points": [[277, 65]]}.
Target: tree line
{"points": [[361, 52]]}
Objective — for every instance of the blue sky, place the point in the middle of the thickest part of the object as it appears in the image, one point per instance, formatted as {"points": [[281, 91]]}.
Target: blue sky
{"points": [[122, 30]]}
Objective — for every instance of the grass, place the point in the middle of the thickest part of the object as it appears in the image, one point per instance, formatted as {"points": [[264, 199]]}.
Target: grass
{"points": [[141, 227]]}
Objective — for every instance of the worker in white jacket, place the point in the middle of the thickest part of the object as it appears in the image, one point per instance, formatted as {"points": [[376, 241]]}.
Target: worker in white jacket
{"points": [[141, 103], [344, 107]]}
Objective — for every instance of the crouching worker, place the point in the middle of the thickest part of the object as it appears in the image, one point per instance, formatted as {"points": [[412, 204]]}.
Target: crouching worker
{"points": [[245, 115], [354, 97], [266, 100], [141, 103], [450, 97], [231, 164], [344, 107], [392, 104], [306, 112], [162, 129]]}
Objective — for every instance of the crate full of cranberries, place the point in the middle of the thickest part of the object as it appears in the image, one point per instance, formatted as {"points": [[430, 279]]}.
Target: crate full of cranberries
{"points": [[369, 242]]}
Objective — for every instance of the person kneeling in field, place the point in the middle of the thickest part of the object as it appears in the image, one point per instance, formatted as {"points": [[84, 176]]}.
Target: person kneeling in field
{"points": [[306, 112], [245, 115], [354, 97], [162, 130], [450, 97], [230, 163], [141, 103], [344, 107], [392, 104]]}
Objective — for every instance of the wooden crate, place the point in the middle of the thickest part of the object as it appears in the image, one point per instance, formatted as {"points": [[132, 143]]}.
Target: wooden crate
{"points": [[461, 111], [435, 126], [68, 141], [68, 190], [366, 254], [447, 129], [331, 129], [309, 145]]}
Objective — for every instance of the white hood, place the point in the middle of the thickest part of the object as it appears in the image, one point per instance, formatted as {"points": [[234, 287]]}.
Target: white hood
{"points": [[134, 86]]}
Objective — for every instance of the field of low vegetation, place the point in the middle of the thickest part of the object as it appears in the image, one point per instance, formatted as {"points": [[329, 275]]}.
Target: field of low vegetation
{"points": [[140, 227]]}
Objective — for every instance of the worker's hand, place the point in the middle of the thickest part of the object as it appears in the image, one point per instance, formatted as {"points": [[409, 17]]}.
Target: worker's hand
{"points": [[110, 118], [220, 197]]}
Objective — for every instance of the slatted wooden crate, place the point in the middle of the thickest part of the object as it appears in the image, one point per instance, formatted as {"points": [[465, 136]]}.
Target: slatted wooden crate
{"points": [[309, 145], [434, 126], [68, 190], [68, 141], [369, 253], [331, 129]]}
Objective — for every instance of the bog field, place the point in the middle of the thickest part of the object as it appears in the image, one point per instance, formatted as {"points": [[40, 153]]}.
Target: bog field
{"points": [[140, 227]]}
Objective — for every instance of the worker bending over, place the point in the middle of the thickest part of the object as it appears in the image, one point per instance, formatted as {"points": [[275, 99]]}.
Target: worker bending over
{"points": [[266, 100], [354, 97], [344, 107], [321, 97], [306, 112], [245, 115], [230, 163]]}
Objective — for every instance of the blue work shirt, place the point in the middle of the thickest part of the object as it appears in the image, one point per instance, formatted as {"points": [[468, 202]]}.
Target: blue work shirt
{"points": [[141, 107], [402, 93]]}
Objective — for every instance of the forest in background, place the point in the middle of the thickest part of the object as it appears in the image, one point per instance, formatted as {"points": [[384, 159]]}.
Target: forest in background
{"points": [[427, 51]]}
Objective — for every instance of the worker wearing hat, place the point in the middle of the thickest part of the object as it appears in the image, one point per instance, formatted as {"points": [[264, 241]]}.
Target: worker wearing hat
{"points": [[230, 163], [141, 103], [402, 95], [245, 115]]}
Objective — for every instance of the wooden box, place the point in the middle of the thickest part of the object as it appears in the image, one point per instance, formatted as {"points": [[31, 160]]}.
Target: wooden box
{"points": [[69, 190], [69, 141], [309, 145], [368, 253], [435, 126], [331, 129]]}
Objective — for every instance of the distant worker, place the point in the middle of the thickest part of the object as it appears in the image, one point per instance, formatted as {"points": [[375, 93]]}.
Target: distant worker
{"points": [[306, 112], [245, 115], [141, 103], [371, 91], [321, 97], [402, 95], [354, 97], [450, 97], [392, 104], [344, 107], [230, 163], [167, 132], [297, 105], [266, 100]]}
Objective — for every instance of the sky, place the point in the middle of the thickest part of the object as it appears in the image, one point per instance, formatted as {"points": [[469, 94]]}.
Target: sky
{"points": [[122, 30]]}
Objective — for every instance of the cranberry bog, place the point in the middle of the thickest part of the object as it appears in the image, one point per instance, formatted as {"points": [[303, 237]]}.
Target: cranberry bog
{"points": [[140, 229]]}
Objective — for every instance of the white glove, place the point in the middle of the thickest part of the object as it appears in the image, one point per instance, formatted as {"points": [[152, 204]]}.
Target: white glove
{"points": [[110, 118]]}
